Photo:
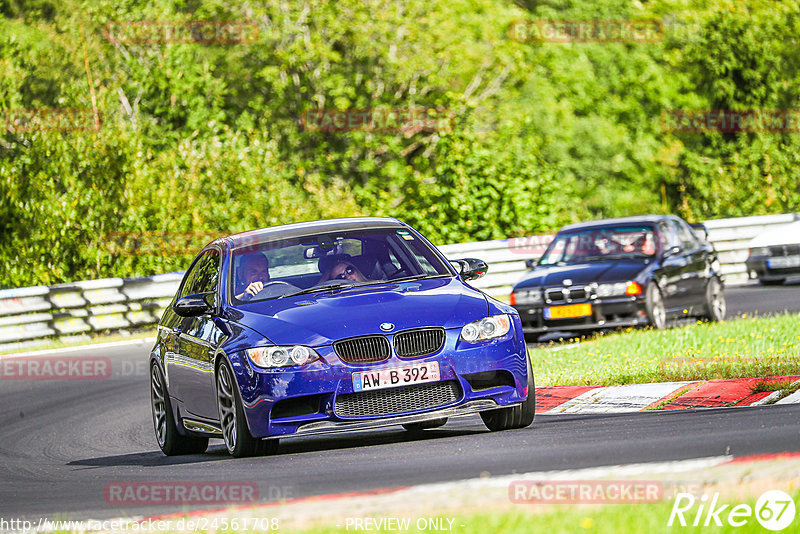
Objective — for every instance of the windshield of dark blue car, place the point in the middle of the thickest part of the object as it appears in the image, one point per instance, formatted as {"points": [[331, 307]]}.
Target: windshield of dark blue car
{"points": [[331, 262], [601, 244]]}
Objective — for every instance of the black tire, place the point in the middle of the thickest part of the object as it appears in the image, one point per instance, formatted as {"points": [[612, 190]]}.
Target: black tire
{"points": [[425, 425], [235, 433], [715, 306], [170, 441], [772, 282], [519, 416], [654, 306]]}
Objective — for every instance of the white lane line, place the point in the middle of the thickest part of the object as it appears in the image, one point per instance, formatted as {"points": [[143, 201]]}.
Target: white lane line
{"points": [[78, 348], [616, 399]]}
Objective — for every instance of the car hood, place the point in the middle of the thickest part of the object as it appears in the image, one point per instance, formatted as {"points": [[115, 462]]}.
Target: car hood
{"points": [[320, 318], [786, 235], [584, 273]]}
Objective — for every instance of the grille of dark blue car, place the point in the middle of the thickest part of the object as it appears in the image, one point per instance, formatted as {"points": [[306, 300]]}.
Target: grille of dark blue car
{"points": [[365, 349], [397, 400], [421, 342]]}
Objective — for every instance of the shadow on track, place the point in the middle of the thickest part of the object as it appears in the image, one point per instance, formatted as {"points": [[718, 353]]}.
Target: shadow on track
{"points": [[297, 445]]}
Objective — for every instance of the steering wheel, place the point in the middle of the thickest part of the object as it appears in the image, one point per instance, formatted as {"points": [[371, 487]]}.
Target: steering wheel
{"points": [[276, 284]]}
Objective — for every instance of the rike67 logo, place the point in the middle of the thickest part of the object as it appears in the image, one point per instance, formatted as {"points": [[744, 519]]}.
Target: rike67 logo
{"points": [[774, 510]]}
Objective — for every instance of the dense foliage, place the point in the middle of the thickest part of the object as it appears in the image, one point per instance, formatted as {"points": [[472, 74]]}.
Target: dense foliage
{"points": [[198, 139]]}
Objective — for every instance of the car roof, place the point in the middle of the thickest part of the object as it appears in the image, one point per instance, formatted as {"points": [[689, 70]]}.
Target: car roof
{"points": [[639, 219], [289, 231]]}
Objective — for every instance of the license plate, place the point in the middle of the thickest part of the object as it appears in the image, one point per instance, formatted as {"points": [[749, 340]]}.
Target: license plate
{"points": [[396, 376], [783, 262], [567, 312]]}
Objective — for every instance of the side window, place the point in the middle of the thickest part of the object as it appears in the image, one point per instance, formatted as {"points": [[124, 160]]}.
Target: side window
{"points": [[204, 273], [685, 234], [668, 238]]}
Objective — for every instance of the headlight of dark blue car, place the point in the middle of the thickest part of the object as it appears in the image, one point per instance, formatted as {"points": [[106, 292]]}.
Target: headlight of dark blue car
{"points": [[281, 356], [488, 328]]}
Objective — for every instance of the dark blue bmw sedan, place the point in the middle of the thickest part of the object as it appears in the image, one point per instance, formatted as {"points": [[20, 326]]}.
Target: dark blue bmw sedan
{"points": [[630, 271], [332, 326]]}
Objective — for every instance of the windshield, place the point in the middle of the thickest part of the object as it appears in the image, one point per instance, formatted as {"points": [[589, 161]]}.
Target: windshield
{"points": [[324, 262], [599, 244]]}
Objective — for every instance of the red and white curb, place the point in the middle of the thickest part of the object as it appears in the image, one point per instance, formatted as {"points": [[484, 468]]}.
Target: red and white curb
{"points": [[672, 476], [664, 396]]}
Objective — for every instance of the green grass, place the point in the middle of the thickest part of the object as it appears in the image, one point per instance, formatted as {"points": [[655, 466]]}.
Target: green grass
{"points": [[597, 519], [746, 347]]}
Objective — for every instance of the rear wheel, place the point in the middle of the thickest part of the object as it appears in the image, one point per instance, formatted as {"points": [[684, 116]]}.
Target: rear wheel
{"points": [[715, 307], [238, 440], [425, 425], [518, 416], [654, 304], [170, 441]]}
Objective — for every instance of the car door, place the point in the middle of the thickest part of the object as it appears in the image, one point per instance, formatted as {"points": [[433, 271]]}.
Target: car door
{"points": [[671, 277], [694, 276], [193, 368]]}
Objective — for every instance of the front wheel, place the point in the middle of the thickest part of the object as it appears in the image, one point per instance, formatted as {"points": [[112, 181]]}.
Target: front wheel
{"points": [[654, 304], [715, 306], [518, 416], [170, 441], [238, 440]]}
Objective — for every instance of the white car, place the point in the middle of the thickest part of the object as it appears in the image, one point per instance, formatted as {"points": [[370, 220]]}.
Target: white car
{"points": [[775, 255]]}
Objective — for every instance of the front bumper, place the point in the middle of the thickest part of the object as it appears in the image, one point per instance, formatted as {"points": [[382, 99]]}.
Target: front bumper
{"points": [[772, 267], [611, 312], [303, 401]]}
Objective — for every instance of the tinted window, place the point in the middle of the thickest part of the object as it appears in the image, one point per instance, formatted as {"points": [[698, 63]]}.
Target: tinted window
{"points": [[203, 275], [687, 238], [600, 243], [368, 256]]}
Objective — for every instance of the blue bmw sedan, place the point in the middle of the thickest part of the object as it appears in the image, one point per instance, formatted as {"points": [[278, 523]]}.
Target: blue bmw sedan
{"points": [[332, 326]]}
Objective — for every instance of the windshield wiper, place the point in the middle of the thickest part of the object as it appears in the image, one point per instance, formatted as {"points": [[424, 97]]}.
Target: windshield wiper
{"points": [[318, 289], [415, 277]]}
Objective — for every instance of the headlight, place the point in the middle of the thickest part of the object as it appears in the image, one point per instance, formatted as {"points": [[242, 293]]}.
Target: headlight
{"points": [[618, 289], [281, 356], [532, 296], [759, 251], [488, 328]]}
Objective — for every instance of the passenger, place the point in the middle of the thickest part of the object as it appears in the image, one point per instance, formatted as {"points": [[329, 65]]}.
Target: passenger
{"points": [[252, 275], [343, 270]]}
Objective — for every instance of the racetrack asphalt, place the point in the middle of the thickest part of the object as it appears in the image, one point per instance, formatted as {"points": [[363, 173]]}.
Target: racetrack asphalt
{"points": [[65, 441]]}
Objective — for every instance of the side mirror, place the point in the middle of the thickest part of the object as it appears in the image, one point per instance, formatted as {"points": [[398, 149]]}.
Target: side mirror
{"points": [[194, 305], [671, 251], [531, 263], [472, 268]]}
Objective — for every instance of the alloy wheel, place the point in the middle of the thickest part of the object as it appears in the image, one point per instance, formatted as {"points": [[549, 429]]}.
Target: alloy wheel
{"points": [[227, 406], [159, 407]]}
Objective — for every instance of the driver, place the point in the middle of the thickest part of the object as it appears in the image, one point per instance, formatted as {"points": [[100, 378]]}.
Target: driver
{"points": [[252, 275]]}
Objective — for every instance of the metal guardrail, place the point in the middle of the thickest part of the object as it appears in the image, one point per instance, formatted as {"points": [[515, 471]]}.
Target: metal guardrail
{"points": [[32, 313], [96, 305], [506, 257]]}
